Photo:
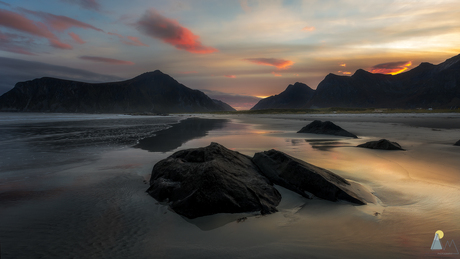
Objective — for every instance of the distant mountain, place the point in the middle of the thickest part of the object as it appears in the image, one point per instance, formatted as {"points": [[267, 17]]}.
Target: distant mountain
{"points": [[427, 85], [153, 92], [295, 96]]}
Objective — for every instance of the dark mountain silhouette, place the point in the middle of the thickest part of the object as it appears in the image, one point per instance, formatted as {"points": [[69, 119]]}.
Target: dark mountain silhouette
{"points": [[153, 92], [425, 86], [294, 96]]}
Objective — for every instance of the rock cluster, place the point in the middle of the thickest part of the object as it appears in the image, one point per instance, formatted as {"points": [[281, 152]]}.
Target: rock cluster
{"points": [[208, 180]]}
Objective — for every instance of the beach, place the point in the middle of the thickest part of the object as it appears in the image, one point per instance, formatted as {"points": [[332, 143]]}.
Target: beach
{"points": [[73, 186]]}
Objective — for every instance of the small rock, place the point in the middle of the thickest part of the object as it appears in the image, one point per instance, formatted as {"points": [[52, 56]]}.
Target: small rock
{"points": [[327, 127], [381, 144], [457, 143]]}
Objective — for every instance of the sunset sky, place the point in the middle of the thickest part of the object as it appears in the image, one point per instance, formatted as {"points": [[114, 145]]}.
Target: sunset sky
{"points": [[235, 51]]}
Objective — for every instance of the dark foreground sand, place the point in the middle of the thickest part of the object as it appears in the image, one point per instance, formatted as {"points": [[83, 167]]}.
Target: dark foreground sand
{"points": [[98, 208]]}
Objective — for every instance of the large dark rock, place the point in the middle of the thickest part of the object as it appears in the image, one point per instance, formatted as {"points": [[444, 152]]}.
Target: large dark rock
{"points": [[152, 92], [382, 144], [209, 180], [301, 177], [457, 143], [327, 127]]}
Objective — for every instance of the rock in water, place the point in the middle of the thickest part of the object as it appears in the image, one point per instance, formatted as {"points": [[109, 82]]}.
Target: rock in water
{"points": [[301, 177], [210, 180], [382, 144], [457, 143], [327, 127]]}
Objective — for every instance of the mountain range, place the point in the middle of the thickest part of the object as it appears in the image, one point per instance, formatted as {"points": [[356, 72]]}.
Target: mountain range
{"points": [[425, 86], [151, 92]]}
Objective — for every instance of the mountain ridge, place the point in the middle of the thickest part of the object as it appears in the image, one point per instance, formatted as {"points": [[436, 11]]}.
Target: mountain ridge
{"points": [[425, 86], [153, 92]]}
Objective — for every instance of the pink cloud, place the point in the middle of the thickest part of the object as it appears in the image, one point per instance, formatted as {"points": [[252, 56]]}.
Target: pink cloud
{"points": [[107, 60], [134, 41], [171, 32], [308, 28], [278, 63], [76, 38], [87, 4], [20, 23], [230, 76], [60, 22]]}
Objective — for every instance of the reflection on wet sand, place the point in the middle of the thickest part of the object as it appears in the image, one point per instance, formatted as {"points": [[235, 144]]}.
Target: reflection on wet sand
{"points": [[172, 138], [327, 144]]}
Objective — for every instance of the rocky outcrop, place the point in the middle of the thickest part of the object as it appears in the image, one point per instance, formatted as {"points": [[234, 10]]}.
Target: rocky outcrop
{"points": [[304, 178], [381, 144], [457, 143], [293, 97], [152, 92], [209, 180], [327, 127]]}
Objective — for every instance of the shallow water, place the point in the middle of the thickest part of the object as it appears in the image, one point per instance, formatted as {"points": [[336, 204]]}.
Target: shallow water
{"points": [[90, 201]]}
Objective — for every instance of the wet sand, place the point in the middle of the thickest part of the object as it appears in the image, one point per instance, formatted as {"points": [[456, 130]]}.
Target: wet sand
{"points": [[98, 208]]}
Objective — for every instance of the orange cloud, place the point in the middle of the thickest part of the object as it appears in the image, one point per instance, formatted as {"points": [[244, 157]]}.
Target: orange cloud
{"points": [[391, 68], [278, 63], [276, 74], [344, 72], [76, 38], [308, 28], [170, 31], [18, 22], [343, 65], [230, 76], [107, 60]]}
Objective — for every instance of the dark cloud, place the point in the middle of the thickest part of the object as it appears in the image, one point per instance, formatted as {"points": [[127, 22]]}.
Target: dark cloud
{"points": [[18, 70], [170, 31], [107, 60], [86, 4]]}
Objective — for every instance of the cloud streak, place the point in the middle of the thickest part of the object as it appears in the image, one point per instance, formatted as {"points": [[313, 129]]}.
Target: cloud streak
{"points": [[171, 32], [278, 63], [76, 38], [106, 60], [391, 68], [20, 23], [60, 22], [230, 76], [86, 4]]}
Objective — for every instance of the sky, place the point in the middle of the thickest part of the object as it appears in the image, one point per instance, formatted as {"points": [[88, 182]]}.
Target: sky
{"points": [[235, 51]]}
